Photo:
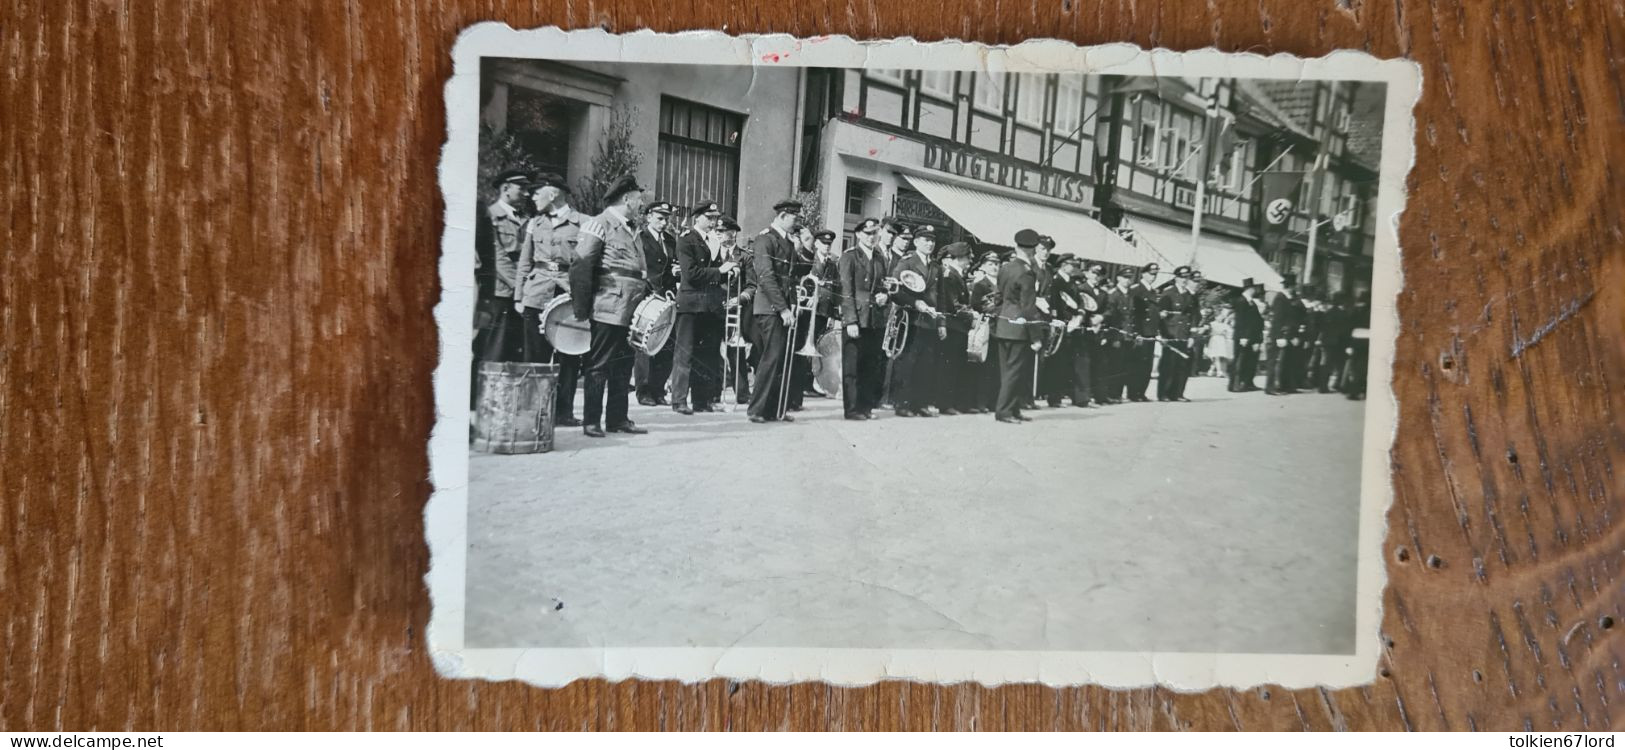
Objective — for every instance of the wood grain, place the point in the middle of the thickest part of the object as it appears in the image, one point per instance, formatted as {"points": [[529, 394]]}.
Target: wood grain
{"points": [[221, 225]]}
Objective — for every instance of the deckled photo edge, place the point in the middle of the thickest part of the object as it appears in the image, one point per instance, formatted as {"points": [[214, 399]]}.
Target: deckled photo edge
{"points": [[445, 514]]}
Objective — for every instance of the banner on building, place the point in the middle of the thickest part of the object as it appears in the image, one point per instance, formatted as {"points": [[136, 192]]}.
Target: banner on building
{"points": [[1280, 198]]}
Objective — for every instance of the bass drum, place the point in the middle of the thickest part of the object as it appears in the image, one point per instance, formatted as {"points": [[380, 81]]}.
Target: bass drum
{"points": [[827, 367], [652, 322], [567, 333]]}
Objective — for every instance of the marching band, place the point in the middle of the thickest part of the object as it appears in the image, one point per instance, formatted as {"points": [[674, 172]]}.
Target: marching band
{"points": [[631, 302]]}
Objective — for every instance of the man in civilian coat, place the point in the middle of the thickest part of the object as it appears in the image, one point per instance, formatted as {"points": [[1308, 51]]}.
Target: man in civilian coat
{"points": [[607, 281], [1013, 331], [703, 271], [1331, 345], [651, 371], [1248, 313], [863, 300], [1147, 326], [956, 376], [1285, 319], [773, 307]]}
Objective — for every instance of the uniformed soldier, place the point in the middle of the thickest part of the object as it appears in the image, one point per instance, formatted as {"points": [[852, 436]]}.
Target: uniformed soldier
{"points": [[1013, 330], [703, 270], [956, 376], [1066, 311], [1247, 312], [803, 260], [545, 255], [901, 240], [1285, 319], [651, 371], [607, 280], [912, 369], [1086, 341], [1119, 325], [1147, 326], [1332, 343], [506, 223], [773, 307], [862, 271], [1179, 313], [741, 360], [984, 294], [1359, 347]]}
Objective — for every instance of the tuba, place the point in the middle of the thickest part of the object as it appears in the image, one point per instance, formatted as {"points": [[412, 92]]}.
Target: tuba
{"points": [[897, 324]]}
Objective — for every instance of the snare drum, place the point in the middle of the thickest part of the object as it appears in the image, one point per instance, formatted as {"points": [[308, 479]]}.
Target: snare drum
{"points": [[567, 333], [652, 322]]}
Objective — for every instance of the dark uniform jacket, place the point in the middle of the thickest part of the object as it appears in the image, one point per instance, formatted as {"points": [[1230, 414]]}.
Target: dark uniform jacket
{"points": [[953, 300], [773, 256], [860, 282], [660, 257], [1334, 327], [1018, 300], [906, 297], [1147, 317], [609, 277], [984, 294], [828, 273], [1119, 313], [703, 288], [1285, 317], [1179, 313], [1249, 320]]}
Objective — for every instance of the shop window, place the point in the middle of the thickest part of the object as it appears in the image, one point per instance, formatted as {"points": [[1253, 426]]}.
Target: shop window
{"points": [[698, 154]]}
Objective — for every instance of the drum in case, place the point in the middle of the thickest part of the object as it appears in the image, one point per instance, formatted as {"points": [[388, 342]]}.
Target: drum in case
{"points": [[515, 412], [567, 333]]}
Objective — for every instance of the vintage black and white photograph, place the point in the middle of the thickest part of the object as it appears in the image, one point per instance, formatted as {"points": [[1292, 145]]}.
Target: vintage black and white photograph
{"points": [[956, 357]]}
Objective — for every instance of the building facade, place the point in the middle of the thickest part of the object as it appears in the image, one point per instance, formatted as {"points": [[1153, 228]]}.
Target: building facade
{"points": [[704, 132], [1124, 170]]}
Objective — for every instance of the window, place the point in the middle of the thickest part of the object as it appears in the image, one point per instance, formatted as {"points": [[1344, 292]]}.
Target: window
{"points": [[1030, 98], [698, 155], [1183, 156], [1348, 206], [890, 75], [990, 91], [1069, 106], [1146, 140], [938, 83], [857, 194]]}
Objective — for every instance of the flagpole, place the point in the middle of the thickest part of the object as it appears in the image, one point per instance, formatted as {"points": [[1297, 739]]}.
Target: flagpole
{"points": [[1314, 221]]}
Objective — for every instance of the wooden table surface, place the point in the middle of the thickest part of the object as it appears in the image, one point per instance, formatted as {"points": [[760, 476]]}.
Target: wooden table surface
{"points": [[221, 227]]}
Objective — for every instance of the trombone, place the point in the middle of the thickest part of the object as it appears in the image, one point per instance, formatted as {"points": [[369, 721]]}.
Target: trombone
{"points": [[806, 303]]}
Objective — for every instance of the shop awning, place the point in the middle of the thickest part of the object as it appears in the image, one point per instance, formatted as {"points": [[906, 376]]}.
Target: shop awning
{"points": [[1221, 260], [996, 218]]}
